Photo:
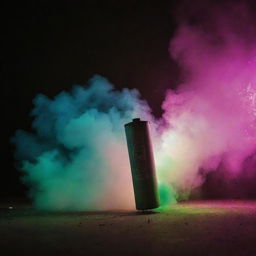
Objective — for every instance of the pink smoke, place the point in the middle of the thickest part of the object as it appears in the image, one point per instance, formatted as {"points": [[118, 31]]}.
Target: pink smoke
{"points": [[211, 117]]}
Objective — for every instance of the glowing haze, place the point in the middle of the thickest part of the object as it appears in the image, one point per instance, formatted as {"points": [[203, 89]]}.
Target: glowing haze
{"points": [[77, 156]]}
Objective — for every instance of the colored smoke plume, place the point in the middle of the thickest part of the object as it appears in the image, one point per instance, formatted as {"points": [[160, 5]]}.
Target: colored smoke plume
{"points": [[77, 157], [211, 117]]}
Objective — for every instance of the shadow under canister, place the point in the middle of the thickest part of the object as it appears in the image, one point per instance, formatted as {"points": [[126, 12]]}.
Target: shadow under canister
{"points": [[142, 164]]}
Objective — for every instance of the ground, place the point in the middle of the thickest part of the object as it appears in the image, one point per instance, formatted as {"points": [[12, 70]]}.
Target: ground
{"points": [[195, 228]]}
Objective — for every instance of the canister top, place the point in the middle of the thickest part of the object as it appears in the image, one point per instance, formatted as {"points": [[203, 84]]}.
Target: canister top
{"points": [[136, 121]]}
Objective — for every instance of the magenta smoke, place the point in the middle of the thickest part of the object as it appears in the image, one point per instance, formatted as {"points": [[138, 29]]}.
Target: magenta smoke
{"points": [[211, 117]]}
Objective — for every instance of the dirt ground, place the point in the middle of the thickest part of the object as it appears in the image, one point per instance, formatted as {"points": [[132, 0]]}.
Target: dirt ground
{"points": [[195, 228]]}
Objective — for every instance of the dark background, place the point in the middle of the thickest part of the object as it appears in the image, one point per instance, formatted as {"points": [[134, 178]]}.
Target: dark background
{"points": [[49, 46]]}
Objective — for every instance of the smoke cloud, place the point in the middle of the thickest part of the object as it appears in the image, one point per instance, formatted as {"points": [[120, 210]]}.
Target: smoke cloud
{"points": [[77, 157], [211, 117]]}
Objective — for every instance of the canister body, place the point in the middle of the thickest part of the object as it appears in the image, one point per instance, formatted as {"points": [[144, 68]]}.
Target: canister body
{"points": [[142, 164]]}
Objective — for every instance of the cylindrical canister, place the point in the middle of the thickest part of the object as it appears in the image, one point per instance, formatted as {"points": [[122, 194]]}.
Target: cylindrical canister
{"points": [[142, 164]]}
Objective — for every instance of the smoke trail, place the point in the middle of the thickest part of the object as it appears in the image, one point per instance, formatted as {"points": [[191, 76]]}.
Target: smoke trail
{"points": [[77, 157], [212, 116]]}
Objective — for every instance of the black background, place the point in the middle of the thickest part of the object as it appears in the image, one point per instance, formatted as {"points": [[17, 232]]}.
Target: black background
{"points": [[49, 46]]}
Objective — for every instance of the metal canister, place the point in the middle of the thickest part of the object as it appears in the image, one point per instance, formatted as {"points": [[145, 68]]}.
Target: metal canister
{"points": [[142, 164]]}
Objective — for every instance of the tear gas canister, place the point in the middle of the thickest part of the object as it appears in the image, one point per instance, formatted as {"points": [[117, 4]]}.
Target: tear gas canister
{"points": [[142, 164]]}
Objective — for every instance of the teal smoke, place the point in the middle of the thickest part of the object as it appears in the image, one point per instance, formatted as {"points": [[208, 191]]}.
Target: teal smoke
{"points": [[76, 156]]}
